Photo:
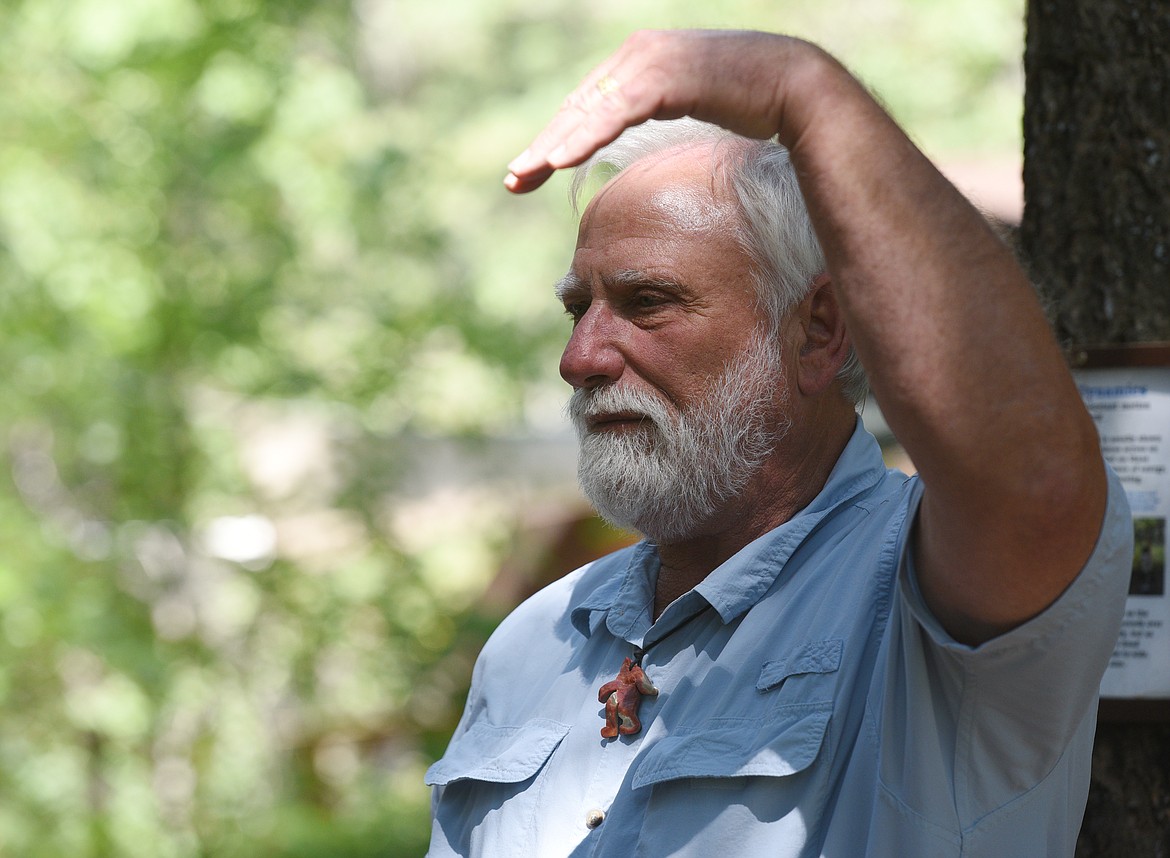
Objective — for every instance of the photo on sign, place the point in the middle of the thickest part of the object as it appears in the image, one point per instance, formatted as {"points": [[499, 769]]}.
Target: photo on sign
{"points": [[1148, 577]]}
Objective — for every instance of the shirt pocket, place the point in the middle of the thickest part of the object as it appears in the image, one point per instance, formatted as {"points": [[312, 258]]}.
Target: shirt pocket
{"points": [[807, 673], [738, 781], [485, 769], [755, 779], [498, 754], [783, 745], [783, 739]]}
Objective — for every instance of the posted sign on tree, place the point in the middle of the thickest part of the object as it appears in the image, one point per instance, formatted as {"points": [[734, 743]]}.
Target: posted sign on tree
{"points": [[1127, 390]]}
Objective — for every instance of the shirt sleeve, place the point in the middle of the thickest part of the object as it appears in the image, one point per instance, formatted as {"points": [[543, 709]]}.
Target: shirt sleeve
{"points": [[996, 718]]}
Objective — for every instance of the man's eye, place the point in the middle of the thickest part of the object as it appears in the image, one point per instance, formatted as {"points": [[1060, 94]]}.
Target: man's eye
{"points": [[648, 301], [576, 310]]}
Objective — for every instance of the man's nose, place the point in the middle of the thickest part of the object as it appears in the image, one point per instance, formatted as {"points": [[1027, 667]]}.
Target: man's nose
{"points": [[592, 357]]}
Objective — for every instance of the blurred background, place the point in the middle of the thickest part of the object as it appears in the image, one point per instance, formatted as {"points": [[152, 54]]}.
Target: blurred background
{"points": [[280, 420]]}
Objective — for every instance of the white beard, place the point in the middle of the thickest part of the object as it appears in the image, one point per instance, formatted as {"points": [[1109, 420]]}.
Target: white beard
{"points": [[677, 470]]}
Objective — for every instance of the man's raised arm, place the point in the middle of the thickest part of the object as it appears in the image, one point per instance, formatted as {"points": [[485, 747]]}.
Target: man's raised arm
{"points": [[957, 348]]}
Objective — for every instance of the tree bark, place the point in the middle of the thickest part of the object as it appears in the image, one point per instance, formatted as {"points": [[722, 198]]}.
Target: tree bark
{"points": [[1096, 226], [1096, 238]]}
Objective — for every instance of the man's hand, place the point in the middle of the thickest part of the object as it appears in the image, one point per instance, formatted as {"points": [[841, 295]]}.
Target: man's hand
{"points": [[735, 79]]}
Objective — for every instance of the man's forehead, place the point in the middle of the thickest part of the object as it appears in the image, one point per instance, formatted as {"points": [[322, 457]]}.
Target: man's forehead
{"points": [[681, 186], [692, 208]]}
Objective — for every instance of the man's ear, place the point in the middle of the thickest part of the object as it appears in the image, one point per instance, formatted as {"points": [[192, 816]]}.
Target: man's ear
{"points": [[823, 341]]}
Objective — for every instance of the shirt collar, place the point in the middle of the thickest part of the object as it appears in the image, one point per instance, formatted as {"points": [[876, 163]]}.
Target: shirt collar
{"points": [[625, 597], [743, 579]]}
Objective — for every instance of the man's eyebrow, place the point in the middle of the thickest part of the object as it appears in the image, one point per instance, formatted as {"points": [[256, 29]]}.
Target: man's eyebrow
{"points": [[632, 279], [571, 285], [567, 286]]}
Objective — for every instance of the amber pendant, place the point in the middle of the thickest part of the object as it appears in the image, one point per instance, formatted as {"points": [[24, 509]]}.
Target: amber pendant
{"points": [[622, 697]]}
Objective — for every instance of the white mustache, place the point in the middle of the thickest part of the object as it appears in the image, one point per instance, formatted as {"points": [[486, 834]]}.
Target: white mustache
{"points": [[588, 403]]}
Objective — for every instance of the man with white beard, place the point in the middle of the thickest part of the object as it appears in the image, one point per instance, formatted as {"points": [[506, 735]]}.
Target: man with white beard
{"points": [[670, 473], [808, 654]]}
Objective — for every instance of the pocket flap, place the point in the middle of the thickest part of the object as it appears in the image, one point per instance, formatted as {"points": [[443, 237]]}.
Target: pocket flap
{"points": [[814, 657], [785, 744], [503, 755]]}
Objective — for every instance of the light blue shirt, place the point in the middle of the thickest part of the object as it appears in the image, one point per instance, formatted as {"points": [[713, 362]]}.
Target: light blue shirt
{"points": [[809, 704]]}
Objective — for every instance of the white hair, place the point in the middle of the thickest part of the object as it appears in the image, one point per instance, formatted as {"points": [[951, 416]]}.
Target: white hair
{"points": [[776, 231]]}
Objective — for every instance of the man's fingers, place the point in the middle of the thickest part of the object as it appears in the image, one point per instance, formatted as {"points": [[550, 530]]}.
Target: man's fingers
{"points": [[654, 75], [530, 181], [592, 115]]}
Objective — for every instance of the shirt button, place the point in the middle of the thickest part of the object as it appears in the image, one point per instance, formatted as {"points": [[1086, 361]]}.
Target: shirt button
{"points": [[594, 818]]}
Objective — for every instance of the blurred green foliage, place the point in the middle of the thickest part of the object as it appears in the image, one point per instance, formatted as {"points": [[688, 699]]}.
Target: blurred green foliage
{"points": [[248, 251]]}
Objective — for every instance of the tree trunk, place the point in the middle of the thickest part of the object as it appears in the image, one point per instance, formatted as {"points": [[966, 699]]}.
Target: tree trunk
{"points": [[1096, 227], [1096, 238]]}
